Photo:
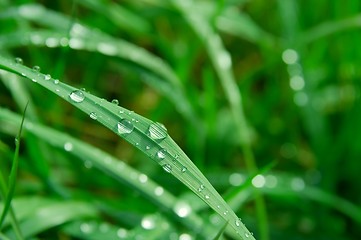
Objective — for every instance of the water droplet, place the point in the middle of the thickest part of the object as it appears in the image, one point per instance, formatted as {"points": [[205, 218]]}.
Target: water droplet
{"points": [[115, 101], [36, 69], [246, 235], [158, 191], [143, 178], [56, 81], [121, 111], [88, 164], [148, 222], [167, 168], [184, 169], [93, 115], [147, 147], [47, 77], [160, 155], [19, 61], [157, 131], [68, 146], [182, 209], [206, 196], [77, 96], [34, 80], [85, 228], [238, 222], [125, 126], [225, 212], [201, 188]]}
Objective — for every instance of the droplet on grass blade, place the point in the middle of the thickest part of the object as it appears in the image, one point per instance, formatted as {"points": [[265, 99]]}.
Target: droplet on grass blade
{"points": [[167, 168], [160, 155], [47, 77], [93, 115], [125, 126], [19, 61], [36, 69], [77, 96], [157, 131], [56, 81], [115, 101]]}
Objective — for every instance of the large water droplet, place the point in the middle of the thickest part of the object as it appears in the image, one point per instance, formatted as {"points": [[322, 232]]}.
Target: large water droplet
{"points": [[157, 131], [125, 126], [77, 96], [19, 61], [36, 69], [167, 168], [160, 155], [93, 115]]}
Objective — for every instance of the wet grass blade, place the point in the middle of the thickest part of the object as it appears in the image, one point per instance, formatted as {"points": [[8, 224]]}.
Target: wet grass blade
{"points": [[118, 170], [149, 137]]}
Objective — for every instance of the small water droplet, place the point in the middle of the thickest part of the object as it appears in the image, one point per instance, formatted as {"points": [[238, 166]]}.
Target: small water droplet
{"points": [[47, 77], [246, 235], [19, 61], [77, 96], [36, 69], [56, 81], [167, 168], [206, 197], [115, 101], [158, 191], [68, 146], [160, 155], [237, 223], [34, 80], [157, 131], [225, 212], [125, 126], [184, 169], [147, 147], [201, 188], [93, 115], [121, 111]]}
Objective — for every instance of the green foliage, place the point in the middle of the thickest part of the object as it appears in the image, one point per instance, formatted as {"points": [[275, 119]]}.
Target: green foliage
{"points": [[240, 85]]}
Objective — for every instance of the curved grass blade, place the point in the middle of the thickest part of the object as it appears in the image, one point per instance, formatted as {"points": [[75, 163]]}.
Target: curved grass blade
{"points": [[12, 179], [149, 137], [117, 170]]}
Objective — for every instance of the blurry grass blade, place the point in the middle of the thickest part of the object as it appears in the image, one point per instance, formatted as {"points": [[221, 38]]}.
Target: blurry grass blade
{"points": [[54, 215], [139, 131], [13, 174], [114, 168], [221, 231]]}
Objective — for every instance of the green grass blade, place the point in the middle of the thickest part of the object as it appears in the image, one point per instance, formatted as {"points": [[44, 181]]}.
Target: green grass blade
{"points": [[12, 178], [149, 137], [116, 169]]}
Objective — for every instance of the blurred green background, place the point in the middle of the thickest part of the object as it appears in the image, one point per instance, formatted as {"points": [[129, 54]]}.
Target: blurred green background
{"points": [[294, 63]]}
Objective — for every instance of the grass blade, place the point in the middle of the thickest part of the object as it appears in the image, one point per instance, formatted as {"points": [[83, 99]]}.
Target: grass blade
{"points": [[149, 137], [12, 178]]}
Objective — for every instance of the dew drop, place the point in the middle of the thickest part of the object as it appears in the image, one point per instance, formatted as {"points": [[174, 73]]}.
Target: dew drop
{"points": [[157, 131], [167, 168], [47, 77], [201, 188], [160, 155], [93, 115], [184, 169], [77, 96], [147, 147], [125, 127], [121, 111], [158, 191], [85, 228], [115, 101], [68, 146], [237, 223], [246, 235], [19, 61], [36, 69], [34, 80], [56, 81], [206, 196]]}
